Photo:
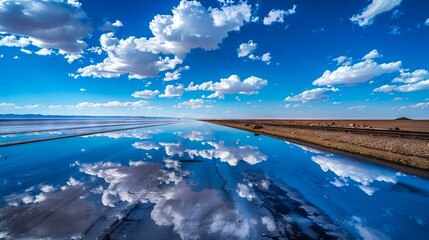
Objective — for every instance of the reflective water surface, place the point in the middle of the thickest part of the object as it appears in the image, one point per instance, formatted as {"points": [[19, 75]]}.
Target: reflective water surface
{"points": [[194, 180]]}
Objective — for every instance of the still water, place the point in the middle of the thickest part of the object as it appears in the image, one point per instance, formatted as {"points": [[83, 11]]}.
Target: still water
{"points": [[195, 180]]}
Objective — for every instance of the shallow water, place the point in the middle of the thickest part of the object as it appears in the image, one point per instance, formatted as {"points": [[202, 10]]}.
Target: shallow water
{"points": [[192, 180]]}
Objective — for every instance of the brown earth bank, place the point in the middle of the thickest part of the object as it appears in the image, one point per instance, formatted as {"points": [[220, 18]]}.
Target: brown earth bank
{"points": [[399, 144]]}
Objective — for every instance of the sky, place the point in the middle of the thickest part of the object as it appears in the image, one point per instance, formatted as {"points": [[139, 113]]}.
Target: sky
{"points": [[215, 59]]}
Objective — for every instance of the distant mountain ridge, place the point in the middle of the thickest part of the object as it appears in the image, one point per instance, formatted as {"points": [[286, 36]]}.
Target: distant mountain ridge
{"points": [[72, 116]]}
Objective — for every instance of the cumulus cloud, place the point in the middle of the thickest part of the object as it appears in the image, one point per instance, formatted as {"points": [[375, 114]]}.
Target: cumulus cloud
{"points": [[413, 81], [269, 223], [192, 103], [173, 91], [229, 154], [13, 41], [230, 85], [125, 58], [245, 192], [232, 154], [316, 94], [47, 24], [412, 77], [426, 23], [109, 26], [245, 49], [146, 94], [190, 26], [44, 52], [354, 172], [359, 72], [193, 135], [146, 146], [175, 75], [343, 60], [371, 55], [276, 15], [411, 87], [375, 8], [266, 58]]}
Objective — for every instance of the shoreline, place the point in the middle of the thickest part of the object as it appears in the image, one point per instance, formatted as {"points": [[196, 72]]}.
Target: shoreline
{"points": [[407, 169]]}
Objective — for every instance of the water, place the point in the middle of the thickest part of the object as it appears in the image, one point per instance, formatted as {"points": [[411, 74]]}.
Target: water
{"points": [[194, 180]]}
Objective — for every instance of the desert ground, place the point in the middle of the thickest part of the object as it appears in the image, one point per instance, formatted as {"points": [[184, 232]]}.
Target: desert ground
{"points": [[402, 143]]}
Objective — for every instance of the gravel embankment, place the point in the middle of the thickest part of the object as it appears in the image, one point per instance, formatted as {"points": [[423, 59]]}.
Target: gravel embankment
{"points": [[399, 150]]}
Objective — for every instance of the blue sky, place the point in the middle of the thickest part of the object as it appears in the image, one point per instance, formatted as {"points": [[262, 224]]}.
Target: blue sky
{"points": [[216, 59]]}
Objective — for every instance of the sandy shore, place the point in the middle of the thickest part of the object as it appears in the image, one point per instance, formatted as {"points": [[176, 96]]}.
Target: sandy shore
{"points": [[406, 154]]}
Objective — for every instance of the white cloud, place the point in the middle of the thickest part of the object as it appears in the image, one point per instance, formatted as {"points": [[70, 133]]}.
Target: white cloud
{"points": [[136, 134], [357, 73], [26, 51], [13, 41], [174, 34], [192, 103], [112, 104], [175, 75], [245, 49], [266, 58], [109, 26], [385, 88], [278, 15], [44, 52], [47, 24], [146, 94], [14, 106], [173, 91], [411, 87], [341, 60], [414, 81], [125, 58], [193, 135], [413, 77], [117, 23], [245, 192], [421, 105], [269, 223], [426, 23], [372, 55], [375, 8], [354, 172], [316, 94], [232, 155], [146, 146], [230, 85], [82, 89], [229, 154], [70, 57], [356, 108]]}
